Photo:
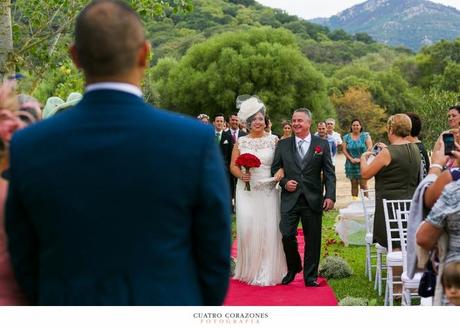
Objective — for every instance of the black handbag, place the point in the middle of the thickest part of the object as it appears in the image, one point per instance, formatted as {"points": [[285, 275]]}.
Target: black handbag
{"points": [[427, 284]]}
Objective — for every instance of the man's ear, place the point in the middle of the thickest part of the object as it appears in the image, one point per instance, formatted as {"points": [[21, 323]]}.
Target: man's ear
{"points": [[144, 55], [74, 56]]}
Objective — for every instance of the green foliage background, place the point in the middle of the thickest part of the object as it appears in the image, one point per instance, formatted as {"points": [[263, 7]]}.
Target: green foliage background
{"points": [[207, 52]]}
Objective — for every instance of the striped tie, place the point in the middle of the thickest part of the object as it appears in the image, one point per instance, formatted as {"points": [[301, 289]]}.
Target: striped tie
{"points": [[301, 149]]}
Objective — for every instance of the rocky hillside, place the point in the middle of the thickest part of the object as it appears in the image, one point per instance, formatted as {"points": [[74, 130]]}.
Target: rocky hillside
{"points": [[409, 23]]}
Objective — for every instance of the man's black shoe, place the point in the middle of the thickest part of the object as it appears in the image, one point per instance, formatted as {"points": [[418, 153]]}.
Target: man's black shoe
{"points": [[290, 276], [312, 284]]}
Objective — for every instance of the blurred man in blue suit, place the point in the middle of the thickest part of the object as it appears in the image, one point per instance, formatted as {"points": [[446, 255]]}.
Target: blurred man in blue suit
{"points": [[112, 202]]}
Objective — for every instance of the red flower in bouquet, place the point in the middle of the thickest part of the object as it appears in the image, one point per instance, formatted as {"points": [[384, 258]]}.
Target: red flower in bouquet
{"points": [[248, 160], [318, 150]]}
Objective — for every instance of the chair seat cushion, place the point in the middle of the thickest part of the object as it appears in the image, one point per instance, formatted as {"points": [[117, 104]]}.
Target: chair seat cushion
{"points": [[411, 283], [394, 258]]}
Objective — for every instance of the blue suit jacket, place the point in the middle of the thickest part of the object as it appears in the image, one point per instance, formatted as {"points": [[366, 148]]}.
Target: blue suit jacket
{"points": [[117, 203]]}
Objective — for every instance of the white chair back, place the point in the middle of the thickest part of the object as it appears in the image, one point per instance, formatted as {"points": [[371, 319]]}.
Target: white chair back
{"points": [[402, 216], [390, 208]]}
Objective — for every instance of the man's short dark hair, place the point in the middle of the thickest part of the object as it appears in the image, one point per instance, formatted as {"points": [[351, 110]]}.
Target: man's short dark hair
{"points": [[108, 35], [416, 124], [218, 115]]}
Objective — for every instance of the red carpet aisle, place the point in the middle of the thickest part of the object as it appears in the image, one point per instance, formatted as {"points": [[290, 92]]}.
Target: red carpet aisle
{"points": [[294, 294]]}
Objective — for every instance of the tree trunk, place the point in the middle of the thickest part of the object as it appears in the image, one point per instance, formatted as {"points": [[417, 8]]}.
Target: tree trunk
{"points": [[6, 37]]}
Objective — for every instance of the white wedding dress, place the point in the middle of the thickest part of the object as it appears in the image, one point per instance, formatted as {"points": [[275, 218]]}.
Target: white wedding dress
{"points": [[261, 260]]}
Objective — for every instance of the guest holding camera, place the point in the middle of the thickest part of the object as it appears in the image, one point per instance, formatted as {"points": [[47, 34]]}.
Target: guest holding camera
{"points": [[395, 168]]}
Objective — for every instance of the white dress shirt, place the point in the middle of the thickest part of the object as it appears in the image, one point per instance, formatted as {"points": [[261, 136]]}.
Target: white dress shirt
{"points": [[119, 86], [306, 144]]}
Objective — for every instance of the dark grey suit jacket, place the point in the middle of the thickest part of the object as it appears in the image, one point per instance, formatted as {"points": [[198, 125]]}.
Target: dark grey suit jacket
{"points": [[306, 172]]}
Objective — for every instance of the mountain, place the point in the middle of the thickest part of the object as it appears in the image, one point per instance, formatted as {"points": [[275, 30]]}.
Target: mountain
{"points": [[410, 23]]}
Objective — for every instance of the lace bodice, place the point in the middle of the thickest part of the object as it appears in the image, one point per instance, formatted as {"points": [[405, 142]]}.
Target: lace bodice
{"points": [[264, 149]]}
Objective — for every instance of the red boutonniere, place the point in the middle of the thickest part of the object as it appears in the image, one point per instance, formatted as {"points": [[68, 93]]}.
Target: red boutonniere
{"points": [[318, 150]]}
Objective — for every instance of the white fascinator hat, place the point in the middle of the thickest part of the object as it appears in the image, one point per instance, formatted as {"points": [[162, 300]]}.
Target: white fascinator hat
{"points": [[248, 105]]}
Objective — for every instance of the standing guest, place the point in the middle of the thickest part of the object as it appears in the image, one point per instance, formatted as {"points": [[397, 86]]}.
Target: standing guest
{"points": [[396, 169], [236, 133], [354, 145], [287, 129], [268, 126], [10, 293], [453, 117], [453, 120], [28, 104], [118, 224], [322, 133], [235, 130], [303, 158], [243, 127], [413, 138], [224, 141], [330, 126], [204, 118]]}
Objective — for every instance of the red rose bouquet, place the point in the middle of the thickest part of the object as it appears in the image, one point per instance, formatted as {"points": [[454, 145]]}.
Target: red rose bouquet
{"points": [[248, 160]]}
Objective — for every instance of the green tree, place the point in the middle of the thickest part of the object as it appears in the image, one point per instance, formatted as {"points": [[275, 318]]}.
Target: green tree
{"points": [[358, 103], [433, 113], [41, 29], [262, 61]]}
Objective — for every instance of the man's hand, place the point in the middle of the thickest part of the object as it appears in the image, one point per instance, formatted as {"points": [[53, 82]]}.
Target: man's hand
{"points": [[291, 186], [328, 204]]}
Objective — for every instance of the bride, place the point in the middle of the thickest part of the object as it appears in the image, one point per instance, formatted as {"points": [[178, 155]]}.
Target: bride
{"points": [[261, 259]]}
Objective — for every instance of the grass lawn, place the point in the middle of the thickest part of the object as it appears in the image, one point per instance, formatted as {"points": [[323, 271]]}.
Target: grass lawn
{"points": [[355, 286], [358, 284]]}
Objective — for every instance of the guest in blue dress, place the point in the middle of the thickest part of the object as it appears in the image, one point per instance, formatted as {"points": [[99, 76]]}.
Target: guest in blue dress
{"points": [[355, 144]]}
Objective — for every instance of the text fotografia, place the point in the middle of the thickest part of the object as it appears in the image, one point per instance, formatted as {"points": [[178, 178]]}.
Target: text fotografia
{"points": [[230, 318]]}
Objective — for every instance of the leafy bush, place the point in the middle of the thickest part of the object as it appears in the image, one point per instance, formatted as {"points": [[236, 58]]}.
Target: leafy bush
{"points": [[334, 267]]}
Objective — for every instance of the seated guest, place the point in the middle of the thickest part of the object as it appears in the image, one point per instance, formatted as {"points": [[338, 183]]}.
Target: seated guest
{"points": [[451, 282], [443, 198]]}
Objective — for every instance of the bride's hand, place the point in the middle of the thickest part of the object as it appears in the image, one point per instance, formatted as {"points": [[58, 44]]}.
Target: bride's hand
{"points": [[279, 175], [246, 177]]}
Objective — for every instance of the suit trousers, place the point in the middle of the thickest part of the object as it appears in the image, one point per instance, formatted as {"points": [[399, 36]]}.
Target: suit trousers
{"points": [[311, 224]]}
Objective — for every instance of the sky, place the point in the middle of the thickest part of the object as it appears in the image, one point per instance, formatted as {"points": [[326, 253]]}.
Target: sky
{"points": [[325, 8]]}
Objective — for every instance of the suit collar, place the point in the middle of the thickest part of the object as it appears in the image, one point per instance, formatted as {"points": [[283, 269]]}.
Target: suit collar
{"points": [[119, 86], [108, 98]]}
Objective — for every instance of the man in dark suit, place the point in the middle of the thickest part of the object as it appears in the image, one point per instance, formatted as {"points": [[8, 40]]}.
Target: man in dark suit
{"points": [[112, 202], [224, 140], [303, 157], [235, 130], [236, 133]]}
